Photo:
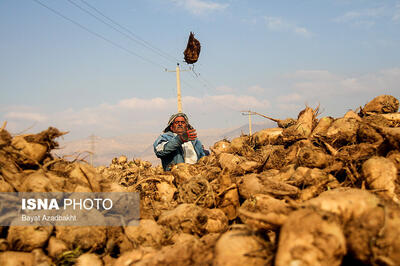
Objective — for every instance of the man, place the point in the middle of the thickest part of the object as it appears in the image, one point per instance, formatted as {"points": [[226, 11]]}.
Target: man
{"points": [[179, 143]]}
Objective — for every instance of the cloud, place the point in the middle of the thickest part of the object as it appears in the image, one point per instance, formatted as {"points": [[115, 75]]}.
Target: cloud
{"points": [[200, 7], [237, 102], [368, 17], [224, 89], [364, 23], [301, 31], [165, 104], [322, 83], [144, 104], [361, 14], [290, 107], [290, 98], [256, 89], [133, 115], [396, 15], [292, 102], [335, 92], [250, 21], [280, 24], [27, 116], [311, 75]]}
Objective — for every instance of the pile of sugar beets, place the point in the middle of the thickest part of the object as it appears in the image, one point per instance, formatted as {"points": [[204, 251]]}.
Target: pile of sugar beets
{"points": [[313, 191]]}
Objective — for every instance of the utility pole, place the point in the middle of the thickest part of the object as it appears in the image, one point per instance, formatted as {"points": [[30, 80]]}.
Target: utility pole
{"points": [[178, 88], [249, 113], [178, 85]]}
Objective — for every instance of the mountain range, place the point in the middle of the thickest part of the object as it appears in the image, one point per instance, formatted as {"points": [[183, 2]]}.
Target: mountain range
{"points": [[101, 151]]}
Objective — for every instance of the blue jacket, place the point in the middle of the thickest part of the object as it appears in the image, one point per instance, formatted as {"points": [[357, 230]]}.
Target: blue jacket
{"points": [[168, 147]]}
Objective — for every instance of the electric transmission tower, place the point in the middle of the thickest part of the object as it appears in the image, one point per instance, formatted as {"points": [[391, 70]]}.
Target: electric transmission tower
{"points": [[92, 139]]}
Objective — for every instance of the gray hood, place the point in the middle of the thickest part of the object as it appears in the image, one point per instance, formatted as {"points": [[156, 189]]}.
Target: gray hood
{"points": [[172, 118]]}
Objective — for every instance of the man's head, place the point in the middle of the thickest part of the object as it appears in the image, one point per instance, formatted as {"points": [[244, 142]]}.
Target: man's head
{"points": [[178, 123]]}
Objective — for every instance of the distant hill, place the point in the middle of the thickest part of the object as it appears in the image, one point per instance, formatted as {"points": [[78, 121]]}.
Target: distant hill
{"points": [[245, 130], [141, 145]]}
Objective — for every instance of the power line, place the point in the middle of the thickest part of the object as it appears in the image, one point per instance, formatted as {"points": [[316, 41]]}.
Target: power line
{"points": [[99, 35], [135, 38], [204, 87], [206, 80], [149, 46], [188, 84], [129, 31], [145, 44], [196, 77]]}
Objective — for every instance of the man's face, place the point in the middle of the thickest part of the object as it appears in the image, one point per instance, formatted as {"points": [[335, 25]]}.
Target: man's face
{"points": [[179, 125]]}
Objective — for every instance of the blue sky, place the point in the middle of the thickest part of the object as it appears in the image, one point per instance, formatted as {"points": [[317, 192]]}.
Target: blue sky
{"points": [[272, 57]]}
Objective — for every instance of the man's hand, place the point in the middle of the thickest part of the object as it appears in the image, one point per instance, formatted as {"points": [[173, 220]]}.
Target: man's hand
{"points": [[188, 135]]}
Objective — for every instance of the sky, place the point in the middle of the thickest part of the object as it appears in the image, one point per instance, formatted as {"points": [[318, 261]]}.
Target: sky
{"points": [[99, 67]]}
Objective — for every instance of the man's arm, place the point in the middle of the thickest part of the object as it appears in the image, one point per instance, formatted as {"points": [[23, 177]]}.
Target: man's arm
{"points": [[164, 146], [199, 148]]}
